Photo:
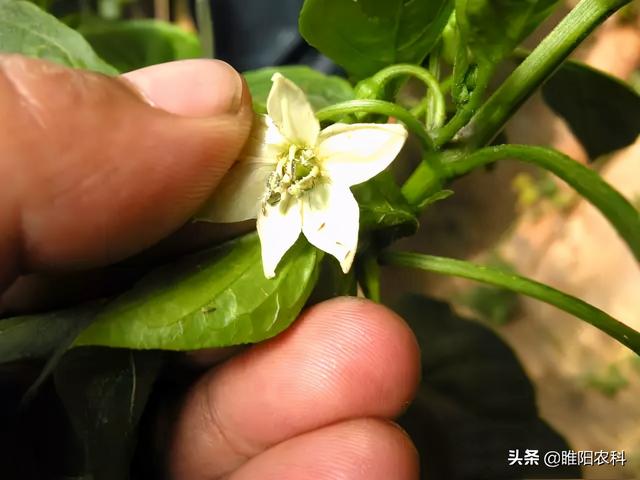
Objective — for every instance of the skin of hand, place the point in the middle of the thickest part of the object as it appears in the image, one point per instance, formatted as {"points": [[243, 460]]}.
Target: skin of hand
{"points": [[95, 169]]}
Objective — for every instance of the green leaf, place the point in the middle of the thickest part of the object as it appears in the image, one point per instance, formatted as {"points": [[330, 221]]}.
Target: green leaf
{"points": [[618, 210], [435, 198], [39, 336], [458, 268], [491, 29], [215, 298], [365, 36], [37, 440], [383, 208], [603, 112], [132, 44], [104, 392], [27, 30], [475, 401], [321, 90]]}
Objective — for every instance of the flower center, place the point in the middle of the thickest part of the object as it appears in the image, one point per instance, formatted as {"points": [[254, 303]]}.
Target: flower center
{"points": [[296, 173]]}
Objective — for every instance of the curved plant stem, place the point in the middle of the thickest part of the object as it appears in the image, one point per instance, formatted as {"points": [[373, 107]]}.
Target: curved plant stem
{"points": [[380, 107], [420, 109], [435, 94], [448, 266], [621, 214], [465, 113]]}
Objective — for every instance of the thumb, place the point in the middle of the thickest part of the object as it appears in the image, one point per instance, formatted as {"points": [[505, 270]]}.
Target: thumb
{"points": [[94, 169]]}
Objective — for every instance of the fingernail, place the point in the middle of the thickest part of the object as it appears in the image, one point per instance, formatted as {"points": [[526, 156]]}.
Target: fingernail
{"points": [[191, 88]]}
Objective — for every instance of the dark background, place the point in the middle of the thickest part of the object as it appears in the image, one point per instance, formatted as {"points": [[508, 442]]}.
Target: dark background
{"points": [[258, 33]]}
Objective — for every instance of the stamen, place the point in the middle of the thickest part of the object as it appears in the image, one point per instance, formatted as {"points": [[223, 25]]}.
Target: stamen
{"points": [[296, 173]]}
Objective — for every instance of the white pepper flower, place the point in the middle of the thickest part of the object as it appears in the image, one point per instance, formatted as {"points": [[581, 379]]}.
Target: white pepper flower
{"points": [[295, 178]]}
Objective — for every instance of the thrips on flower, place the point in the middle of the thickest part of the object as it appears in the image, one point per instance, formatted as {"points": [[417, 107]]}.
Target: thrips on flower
{"points": [[295, 178]]}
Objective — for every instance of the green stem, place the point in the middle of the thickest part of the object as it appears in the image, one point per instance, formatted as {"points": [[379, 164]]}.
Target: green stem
{"points": [[487, 123], [427, 178], [380, 107], [385, 75], [616, 208], [446, 84], [423, 107], [447, 266], [371, 277], [465, 113], [420, 109], [436, 113]]}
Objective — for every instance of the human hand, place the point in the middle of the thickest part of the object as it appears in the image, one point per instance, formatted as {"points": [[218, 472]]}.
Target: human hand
{"points": [[92, 173], [313, 403]]}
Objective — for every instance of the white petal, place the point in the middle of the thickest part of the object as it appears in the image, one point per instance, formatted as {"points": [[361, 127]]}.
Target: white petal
{"points": [[265, 142], [290, 110], [239, 195], [240, 192], [330, 221], [278, 231], [352, 154]]}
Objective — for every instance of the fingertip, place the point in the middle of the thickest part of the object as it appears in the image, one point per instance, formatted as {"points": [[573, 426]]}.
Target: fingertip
{"points": [[382, 343], [191, 88], [358, 356], [343, 359]]}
